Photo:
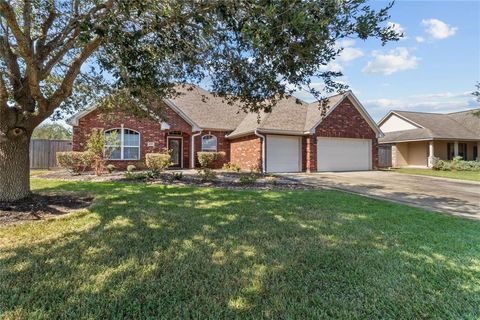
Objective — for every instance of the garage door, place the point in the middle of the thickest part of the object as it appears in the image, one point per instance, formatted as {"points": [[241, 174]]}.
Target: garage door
{"points": [[283, 154], [339, 154]]}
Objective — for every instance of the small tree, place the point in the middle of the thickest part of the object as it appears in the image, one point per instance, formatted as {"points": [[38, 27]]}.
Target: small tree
{"points": [[100, 146]]}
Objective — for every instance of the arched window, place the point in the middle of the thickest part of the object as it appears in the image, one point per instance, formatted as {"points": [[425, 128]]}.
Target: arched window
{"points": [[209, 143], [122, 144]]}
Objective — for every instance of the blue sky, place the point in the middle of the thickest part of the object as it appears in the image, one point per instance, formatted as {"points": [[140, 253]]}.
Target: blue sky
{"points": [[433, 69]]}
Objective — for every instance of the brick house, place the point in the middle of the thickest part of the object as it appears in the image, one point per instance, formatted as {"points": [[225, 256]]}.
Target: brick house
{"points": [[294, 137]]}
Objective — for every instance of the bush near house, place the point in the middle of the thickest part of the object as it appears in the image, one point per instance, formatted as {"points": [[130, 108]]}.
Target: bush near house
{"points": [[75, 162], [206, 159], [457, 164], [158, 161], [229, 166]]}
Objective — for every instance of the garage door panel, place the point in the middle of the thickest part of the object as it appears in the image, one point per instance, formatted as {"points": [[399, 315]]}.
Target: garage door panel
{"points": [[340, 154], [283, 154]]}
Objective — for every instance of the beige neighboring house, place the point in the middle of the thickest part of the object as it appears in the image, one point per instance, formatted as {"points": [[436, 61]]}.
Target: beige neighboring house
{"points": [[418, 138]]}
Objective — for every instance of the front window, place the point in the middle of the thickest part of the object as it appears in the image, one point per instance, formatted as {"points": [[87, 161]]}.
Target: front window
{"points": [[122, 144], [209, 143]]}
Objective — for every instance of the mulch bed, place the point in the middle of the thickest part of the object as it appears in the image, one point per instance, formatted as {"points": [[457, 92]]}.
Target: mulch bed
{"points": [[41, 206]]}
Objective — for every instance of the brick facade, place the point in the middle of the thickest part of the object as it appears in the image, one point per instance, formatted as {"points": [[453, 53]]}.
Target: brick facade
{"points": [[149, 129], [344, 122], [246, 152], [223, 145]]}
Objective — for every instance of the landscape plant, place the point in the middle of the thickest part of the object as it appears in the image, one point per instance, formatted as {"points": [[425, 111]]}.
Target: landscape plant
{"points": [[75, 162], [101, 147]]}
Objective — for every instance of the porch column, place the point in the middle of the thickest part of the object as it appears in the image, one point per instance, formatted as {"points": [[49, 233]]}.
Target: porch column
{"points": [[455, 149], [478, 151], [431, 154]]}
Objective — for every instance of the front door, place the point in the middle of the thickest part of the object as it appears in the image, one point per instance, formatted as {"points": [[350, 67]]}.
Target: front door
{"points": [[175, 147]]}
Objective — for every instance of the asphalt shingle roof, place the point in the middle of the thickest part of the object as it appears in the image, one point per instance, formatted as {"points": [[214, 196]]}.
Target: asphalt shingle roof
{"points": [[458, 125]]}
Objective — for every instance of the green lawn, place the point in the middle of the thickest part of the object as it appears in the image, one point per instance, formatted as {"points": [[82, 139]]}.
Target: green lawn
{"points": [[460, 175], [148, 251]]}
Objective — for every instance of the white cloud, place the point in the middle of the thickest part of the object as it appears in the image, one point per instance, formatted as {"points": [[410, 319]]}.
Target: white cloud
{"points": [[397, 27], [398, 59], [349, 52], [438, 29], [420, 39], [331, 66], [442, 102]]}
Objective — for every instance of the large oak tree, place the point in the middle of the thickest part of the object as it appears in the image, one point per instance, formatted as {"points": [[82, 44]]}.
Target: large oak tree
{"points": [[59, 55]]}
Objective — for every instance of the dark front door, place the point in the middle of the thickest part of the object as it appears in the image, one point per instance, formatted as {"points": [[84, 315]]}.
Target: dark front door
{"points": [[175, 147]]}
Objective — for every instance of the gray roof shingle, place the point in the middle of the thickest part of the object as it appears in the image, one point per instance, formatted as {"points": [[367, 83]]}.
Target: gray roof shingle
{"points": [[458, 125]]}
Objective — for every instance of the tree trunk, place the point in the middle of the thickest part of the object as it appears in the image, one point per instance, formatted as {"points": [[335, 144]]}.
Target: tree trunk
{"points": [[14, 168]]}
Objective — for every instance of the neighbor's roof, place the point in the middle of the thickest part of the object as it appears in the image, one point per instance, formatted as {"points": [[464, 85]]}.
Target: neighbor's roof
{"points": [[459, 125]]}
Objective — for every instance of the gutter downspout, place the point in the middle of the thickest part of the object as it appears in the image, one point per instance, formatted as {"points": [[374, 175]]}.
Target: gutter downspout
{"points": [[263, 149], [192, 155]]}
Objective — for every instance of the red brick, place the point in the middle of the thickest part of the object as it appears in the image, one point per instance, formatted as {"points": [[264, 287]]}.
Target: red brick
{"points": [[246, 152], [343, 122]]}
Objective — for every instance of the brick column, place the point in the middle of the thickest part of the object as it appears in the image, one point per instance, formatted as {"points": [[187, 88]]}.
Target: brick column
{"points": [[310, 153]]}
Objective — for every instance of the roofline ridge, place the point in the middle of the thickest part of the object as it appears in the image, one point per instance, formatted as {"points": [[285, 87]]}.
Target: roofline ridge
{"points": [[468, 110]]}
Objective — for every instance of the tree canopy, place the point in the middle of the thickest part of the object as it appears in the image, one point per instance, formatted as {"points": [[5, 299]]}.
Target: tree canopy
{"points": [[52, 131]]}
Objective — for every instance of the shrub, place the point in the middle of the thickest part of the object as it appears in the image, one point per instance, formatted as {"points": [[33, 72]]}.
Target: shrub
{"points": [[158, 161], [178, 175], [250, 178], [110, 168], [231, 167], [206, 159], [457, 164], [206, 174], [96, 146], [131, 168], [74, 162], [130, 175]]}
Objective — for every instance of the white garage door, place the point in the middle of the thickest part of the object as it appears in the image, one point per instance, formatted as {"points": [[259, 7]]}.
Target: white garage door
{"points": [[283, 154], [341, 154]]}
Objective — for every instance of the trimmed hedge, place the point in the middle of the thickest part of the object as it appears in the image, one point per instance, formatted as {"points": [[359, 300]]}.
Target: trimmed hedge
{"points": [[158, 161], [75, 162], [456, 165], [206, 159]]}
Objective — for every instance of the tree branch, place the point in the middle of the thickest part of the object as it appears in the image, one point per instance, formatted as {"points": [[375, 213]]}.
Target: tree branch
{"points": [[65, 89]]}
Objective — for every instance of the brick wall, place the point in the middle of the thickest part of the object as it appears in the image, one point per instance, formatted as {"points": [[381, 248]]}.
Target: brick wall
{"points": [[246, 152], [223, 145], [150, 131], [344, 122]]}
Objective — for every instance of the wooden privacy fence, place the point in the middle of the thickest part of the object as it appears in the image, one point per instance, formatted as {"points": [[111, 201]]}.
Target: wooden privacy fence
{"points": [[43, 152], [384, 156]]}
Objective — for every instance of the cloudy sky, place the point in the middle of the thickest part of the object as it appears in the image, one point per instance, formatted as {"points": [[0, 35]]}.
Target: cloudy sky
{"points": [[433, 68]]}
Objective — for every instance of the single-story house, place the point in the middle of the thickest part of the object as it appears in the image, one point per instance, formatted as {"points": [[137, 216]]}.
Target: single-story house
{"points": [[417, 139], [294, 137]]}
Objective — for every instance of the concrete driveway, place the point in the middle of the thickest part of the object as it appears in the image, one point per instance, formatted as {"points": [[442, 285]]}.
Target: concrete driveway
{"points": [[455, 197]]}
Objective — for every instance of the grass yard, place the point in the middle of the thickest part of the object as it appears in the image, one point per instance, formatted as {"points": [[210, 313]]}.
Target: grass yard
{"points": [[150, 251], [459, 175]]}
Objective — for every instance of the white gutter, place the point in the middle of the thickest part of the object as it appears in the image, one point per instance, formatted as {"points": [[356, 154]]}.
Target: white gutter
{"points": [[192, 155], [263, 148]]}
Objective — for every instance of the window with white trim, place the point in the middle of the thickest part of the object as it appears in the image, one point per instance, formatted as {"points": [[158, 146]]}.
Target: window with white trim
{"points": [[209, 143], [126, 146]]}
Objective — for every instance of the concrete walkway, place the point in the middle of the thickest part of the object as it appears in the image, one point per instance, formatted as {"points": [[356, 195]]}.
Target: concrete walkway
{"points": [[456, 197]]}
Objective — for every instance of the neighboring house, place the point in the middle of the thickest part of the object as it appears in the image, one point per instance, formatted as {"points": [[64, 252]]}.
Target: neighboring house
{"points": [[418, 138], [294, 137]]}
